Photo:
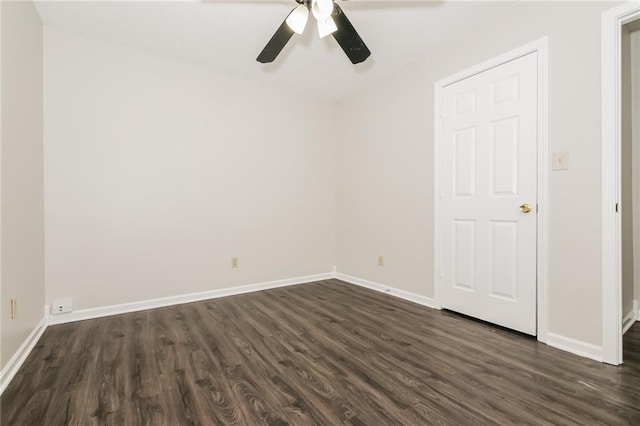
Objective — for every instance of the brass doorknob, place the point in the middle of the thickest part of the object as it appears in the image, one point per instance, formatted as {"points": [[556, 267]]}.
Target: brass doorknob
{"points": [[525, 208]]}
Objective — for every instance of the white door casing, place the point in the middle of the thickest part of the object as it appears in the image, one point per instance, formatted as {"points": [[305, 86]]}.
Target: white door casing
{"points": [[488, 170], [611, 62]]}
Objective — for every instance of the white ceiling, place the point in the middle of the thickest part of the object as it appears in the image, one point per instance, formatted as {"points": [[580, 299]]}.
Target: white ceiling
{"points": [[227, 36]]}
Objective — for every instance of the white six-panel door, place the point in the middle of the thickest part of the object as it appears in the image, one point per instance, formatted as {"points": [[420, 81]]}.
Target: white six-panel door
{"points": [[489, 175]]}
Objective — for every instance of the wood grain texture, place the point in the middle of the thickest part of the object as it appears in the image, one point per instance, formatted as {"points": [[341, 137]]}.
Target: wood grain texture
{"points": [[322, 353]]}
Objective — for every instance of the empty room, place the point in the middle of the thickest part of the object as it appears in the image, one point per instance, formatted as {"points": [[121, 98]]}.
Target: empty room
{"points": [[319, 212]]}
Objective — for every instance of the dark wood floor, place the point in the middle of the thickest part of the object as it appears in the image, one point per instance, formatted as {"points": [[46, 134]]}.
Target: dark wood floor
{"points": [[324, 353]]}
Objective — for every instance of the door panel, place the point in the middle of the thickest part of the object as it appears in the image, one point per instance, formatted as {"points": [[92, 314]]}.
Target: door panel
{"points": [[465, 162], [465, 256], [504, 157], [489, 156], [504, 246]]}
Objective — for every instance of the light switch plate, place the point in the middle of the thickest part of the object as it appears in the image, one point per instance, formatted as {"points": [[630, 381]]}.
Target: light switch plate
{"points": [[560, 161]]}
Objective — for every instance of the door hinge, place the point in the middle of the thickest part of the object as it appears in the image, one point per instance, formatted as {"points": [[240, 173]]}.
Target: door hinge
{"points": [[617, 208]]}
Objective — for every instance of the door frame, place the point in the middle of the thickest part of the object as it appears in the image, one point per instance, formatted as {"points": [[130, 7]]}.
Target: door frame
{"points": [[539, 46], [612, 22]]}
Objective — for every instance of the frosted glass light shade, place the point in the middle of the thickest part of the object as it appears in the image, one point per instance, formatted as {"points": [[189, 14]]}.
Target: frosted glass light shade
{"points": [[297, 19], [322, 9], [326, 27]]}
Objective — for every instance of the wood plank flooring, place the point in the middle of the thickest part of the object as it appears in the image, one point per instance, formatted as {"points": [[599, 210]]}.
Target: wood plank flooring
{"points": [[323, 353]]}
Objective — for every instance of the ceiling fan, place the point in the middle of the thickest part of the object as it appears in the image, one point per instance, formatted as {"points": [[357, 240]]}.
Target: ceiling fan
{"points": [[330, 19]]}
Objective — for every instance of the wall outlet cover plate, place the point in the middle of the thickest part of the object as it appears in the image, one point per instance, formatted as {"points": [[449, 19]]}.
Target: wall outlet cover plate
{"points": [[61, 306], [560, 161]]}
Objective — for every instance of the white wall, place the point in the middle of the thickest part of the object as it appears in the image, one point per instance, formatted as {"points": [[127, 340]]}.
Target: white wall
{"points": [[158, 172], [385, 162], [22, 262]]}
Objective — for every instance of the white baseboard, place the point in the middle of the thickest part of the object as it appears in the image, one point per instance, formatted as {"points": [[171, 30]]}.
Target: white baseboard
{"points": [[574, 346], [142, 305], [567, 344], [18, 358], [630, 318], [636, 309], [8, 372], [411, 297]]}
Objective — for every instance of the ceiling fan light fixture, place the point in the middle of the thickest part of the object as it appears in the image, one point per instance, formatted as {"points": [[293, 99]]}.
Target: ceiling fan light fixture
{"points": [[331, 20], [326, 27], [322, 9], [297, 19]]}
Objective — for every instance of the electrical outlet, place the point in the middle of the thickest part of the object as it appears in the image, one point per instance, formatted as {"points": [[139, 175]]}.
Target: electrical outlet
{"points": [[234, 262], [14, 309], [61, 306], [380, 260]]}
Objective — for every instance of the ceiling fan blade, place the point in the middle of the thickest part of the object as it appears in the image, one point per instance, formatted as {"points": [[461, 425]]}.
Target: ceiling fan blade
{"points": [[279, 40], [348, 38]]}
